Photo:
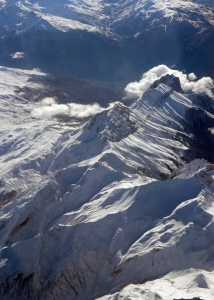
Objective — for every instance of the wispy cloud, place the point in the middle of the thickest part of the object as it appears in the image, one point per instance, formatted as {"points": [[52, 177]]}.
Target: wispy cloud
{"points": [[48, 108], [211, 130], [188, 82], [18, 55]]}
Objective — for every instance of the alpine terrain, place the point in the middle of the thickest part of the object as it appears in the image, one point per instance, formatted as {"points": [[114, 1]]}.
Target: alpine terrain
{"points": [[107, 40], [106, 150]]}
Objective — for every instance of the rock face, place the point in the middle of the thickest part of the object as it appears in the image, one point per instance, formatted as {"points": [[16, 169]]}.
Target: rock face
{"points": [[106, 40], [169, 80], [112, 125], [125, 200]]}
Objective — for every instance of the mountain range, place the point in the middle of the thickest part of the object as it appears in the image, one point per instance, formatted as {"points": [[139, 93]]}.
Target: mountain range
{"points": [[107, 40], [106, 150], [123, 199]]}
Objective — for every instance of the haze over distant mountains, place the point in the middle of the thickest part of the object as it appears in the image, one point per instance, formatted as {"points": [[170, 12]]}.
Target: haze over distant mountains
{"points": [[106, 150], [106, 40]]}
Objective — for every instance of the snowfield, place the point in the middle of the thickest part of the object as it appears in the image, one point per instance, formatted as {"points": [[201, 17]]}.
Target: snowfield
{"points": [[176, 285], [94, 15], [120, 207]]}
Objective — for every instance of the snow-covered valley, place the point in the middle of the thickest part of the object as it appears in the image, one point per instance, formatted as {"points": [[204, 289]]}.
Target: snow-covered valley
{"points": [[116, 206]]}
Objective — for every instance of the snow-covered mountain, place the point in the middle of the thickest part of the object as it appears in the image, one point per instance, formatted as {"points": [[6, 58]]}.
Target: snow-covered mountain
{"points": [[106, 40], [120, 206]]}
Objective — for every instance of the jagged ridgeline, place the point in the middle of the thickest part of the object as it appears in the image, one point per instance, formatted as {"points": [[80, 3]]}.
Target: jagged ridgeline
{"points": [[114, 207], [107, 180]]}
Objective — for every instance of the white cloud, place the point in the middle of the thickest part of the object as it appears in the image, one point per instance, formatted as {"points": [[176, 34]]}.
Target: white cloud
{"points": [[188, 82], [211, 130], [48, 108], [192, 76], [18, 55], [48, 101]]}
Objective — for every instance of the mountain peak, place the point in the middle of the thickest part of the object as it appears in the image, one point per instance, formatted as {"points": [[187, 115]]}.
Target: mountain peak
{"points": [[113, 124], [170, 80]]}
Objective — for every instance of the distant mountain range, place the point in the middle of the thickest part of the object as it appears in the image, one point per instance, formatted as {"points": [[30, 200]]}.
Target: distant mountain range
{"points": [[106, 150], [106, 40]]}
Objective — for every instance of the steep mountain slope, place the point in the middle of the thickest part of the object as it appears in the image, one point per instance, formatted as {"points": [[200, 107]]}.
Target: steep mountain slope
{"points": [[106, 40], [122, 199]]}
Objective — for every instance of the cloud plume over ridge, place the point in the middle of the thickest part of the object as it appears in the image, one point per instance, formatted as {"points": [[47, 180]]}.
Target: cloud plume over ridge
{"points": [[188, 82]]}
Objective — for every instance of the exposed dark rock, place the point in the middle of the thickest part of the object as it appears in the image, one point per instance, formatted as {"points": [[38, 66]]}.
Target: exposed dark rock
{"points": [[171, 81], [7, 197]]}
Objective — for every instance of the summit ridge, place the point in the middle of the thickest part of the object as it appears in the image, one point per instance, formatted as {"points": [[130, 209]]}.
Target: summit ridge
{"points": [[119, 205]]}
